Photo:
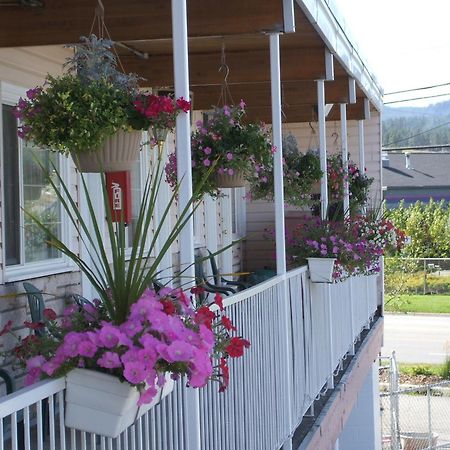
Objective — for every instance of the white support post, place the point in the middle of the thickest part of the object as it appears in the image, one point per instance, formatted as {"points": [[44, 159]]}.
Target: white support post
{"points": [[352, 90], [362, 160], [289, 16], [329, 65], [184, 173], [280, 225], [278, 155], [344, 147], [322, 149]]}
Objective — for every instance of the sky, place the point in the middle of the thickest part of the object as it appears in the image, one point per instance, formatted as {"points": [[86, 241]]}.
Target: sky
{"points": [[406, 44]]}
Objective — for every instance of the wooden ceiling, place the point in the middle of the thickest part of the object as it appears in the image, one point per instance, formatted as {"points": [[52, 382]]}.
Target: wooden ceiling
{"points": [[240, 28]]}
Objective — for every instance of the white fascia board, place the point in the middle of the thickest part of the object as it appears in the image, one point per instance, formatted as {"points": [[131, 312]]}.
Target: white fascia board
{"points": [[324, 16]]}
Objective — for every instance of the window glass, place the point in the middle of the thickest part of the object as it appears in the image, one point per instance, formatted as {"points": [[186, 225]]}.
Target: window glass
{"points": [[39, 199], [24, 185], [11, 187]]}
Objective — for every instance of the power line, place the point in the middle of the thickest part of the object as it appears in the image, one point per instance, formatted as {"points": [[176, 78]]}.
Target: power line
{"points": [[418, 134], [417, 98], [418, 89]]}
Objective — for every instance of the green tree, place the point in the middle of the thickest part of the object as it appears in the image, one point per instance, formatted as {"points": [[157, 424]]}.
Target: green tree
{"points": [[428, 226]]}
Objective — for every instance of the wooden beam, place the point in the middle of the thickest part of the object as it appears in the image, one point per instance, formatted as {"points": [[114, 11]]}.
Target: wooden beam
{"points": [[355, 111], [64, 21], [294, 93], [296, 114], [245, 67]]}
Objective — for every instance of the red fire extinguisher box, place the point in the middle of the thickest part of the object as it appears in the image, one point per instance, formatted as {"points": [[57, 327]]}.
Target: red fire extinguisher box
{"points": [[119, 192]]}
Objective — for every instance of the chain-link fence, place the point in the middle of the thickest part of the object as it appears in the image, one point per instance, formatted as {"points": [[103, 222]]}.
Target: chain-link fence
{"points": [[414, 418]]}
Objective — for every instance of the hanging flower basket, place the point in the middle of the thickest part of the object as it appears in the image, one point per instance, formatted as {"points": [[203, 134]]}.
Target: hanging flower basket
{"points": [[223, 180], [100, 403], [321, 269], [315, 188], [117, 153]]}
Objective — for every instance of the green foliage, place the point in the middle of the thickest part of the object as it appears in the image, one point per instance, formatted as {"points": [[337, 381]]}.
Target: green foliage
{"points": [[445, 369], [77, 111], [228, 145], [401, 128], [432, 304], [74, 116], [93, 61], [428, 225], [420, 369], [300, 172]]}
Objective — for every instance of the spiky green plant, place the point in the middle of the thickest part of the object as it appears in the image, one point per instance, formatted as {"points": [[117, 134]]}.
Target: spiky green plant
{"points": [[120, 280]]}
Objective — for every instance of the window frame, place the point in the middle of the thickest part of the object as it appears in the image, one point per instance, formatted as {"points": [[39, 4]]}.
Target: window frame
{"points": [[9, 95]]}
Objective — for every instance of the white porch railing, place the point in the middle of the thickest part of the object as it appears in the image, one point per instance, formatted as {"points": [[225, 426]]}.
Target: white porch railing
{"points": [[325, 322]]}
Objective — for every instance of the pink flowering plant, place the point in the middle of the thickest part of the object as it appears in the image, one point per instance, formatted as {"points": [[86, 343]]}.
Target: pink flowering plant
{"points": [[359, 183], [162, 334], [317, 238], [131, 332], [228, 145], [380, 231], [300, 172]]}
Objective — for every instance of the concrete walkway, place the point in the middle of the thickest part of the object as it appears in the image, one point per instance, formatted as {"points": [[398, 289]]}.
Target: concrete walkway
{"points": [[417, 338]]}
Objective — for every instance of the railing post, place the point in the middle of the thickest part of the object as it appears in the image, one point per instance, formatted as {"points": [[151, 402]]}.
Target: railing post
{"points": [[330, 384], [184, 173], [352, 316], [280, 225]]}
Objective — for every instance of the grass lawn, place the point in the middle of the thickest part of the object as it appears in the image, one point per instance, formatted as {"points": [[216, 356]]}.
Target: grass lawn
{"points": [[421, 369], [421, 303]]}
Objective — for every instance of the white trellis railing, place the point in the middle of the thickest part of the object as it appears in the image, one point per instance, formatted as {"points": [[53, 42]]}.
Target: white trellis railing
{"points": [[325, 321]]}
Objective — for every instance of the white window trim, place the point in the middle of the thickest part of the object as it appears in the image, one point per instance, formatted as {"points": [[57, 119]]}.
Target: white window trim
{"points": [[10, 94], [144, 164]]}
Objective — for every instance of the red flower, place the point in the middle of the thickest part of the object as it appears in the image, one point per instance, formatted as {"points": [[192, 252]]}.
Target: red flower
{"points": [[197, 290], [236, 347], [49, 314], [219, 301], [225, 374], [6, 328], [204, 316], [168, 307], [33, 325], [183, 104], [228, 324]]}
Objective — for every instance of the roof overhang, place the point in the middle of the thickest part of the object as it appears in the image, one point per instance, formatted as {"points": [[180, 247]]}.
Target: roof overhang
{"points": [[239, 31]]}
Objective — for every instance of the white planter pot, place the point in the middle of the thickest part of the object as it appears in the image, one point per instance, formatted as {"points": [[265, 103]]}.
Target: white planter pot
{"points": [[118, 152], [230, 181], [100, 403], [321, 269]]}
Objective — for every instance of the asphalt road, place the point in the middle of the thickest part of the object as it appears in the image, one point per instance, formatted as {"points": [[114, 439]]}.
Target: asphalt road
{"points": [[417, 338]]}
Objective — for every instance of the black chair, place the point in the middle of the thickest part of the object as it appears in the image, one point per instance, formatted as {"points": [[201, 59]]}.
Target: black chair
{"points": [[220, 280], [80, 300], [202, 280], [36, 304]]}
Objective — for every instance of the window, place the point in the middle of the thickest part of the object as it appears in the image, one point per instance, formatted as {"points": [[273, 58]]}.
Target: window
{"points": [[26, 250], [238, 212]]}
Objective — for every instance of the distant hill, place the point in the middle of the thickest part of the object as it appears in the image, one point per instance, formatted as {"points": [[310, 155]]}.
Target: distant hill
{"points": [[401, 123]]}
